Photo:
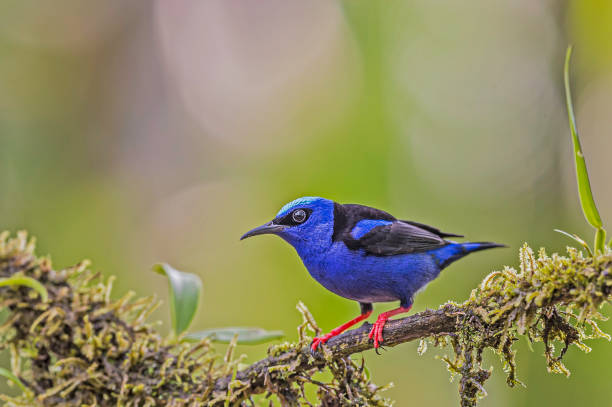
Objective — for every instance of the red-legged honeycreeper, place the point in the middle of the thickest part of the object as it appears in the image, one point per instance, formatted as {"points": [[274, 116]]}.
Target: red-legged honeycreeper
{"points": [[365, 254]]}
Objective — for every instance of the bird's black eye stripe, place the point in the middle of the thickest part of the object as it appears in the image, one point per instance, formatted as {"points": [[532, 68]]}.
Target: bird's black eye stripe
{"points": [[295, 217]]}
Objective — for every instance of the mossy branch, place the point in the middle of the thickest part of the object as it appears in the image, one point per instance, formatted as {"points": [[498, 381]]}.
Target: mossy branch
{"points": [[81, 347], [422, 325], [548, 299]]}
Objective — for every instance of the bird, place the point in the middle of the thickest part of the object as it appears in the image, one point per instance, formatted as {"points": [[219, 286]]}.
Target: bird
{"points": [[365, 254]]}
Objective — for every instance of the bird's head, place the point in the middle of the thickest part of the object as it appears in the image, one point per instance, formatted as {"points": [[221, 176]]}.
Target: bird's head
{"points": [[306, 223]]}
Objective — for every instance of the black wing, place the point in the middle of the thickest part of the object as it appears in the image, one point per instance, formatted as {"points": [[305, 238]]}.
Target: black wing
{"points": [[431, 229], [399, 238], [346, 217]]}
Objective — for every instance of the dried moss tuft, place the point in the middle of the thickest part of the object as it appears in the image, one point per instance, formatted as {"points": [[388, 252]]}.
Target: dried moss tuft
{"points": [[550, 299], [81, 347]]}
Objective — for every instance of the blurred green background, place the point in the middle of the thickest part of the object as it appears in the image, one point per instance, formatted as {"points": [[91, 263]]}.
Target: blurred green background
{"points": [[138, 132]]}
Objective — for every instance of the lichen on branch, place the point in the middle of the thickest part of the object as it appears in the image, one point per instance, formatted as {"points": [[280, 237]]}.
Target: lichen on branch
{"points": [[82, 347], [549, 299]]}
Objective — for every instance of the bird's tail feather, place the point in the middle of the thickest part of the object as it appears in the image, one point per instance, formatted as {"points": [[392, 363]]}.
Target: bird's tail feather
{"points": [[476, 246], [455, 251]]}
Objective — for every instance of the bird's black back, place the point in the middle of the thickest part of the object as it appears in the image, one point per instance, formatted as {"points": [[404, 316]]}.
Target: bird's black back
{"points": [[346, 217], [397, 237]]}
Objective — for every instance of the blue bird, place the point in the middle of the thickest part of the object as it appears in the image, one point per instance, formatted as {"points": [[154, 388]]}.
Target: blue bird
{"points": [[365, 254]]}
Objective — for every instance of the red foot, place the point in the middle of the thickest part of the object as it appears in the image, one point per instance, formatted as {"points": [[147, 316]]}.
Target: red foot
{"points": [[377, 330], [322, 339], [319, 340]]}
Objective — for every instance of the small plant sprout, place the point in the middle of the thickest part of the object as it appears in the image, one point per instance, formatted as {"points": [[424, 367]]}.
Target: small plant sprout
{"points": [[584, 186], [184, 295], [185, 289]]}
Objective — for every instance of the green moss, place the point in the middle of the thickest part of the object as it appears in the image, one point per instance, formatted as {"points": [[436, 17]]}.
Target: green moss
{"points": [[549, 299], [81, 347]]}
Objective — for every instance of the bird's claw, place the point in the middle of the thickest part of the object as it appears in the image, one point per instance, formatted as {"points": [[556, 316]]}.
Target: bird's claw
{"points": [[318, 340], [376, 332], [379, 347]]}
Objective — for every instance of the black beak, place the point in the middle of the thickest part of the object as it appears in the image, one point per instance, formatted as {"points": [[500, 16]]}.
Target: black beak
{"points": [[268, 228]]}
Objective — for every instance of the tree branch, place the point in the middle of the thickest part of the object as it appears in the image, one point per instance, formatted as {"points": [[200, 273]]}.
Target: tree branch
{"points": [[506, 304], [72, 344], [418, 326]]}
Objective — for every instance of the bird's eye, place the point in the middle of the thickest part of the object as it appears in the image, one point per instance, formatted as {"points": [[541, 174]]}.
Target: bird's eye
{"points": [[299, 215]]}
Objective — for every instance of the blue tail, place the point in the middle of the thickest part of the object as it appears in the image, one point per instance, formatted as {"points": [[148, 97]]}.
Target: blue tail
{"points": [[454, 251]]}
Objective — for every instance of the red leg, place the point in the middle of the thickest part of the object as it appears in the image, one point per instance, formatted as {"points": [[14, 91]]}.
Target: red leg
{"points": [[377, 329], [322, 339]]}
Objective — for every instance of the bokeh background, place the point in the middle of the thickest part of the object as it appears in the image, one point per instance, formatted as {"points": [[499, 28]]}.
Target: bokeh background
{"points": [[145, 131]]}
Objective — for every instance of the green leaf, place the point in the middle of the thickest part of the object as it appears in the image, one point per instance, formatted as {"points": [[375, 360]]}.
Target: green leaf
{"points": [[600, 240], [18, 279], [245, 335], [7, 374], [584, 187], [184, 295], [578, 239]]}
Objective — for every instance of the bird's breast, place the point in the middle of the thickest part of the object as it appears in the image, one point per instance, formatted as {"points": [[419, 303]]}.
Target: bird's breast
{"points": [[366, 278]]}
